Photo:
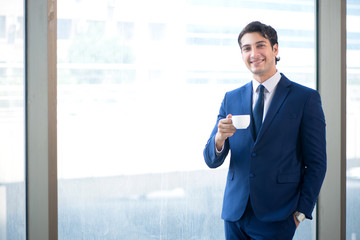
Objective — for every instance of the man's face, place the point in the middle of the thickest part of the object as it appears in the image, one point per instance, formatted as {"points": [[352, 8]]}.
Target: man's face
{"points": [[259, 56]]}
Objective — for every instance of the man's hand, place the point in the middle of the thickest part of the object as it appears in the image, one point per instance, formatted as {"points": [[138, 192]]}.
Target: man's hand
{"points": [[225, 129], [296, 221]]}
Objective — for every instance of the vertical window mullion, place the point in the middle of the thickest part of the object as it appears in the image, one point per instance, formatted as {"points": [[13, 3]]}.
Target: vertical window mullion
{"points": [[41, 143]]}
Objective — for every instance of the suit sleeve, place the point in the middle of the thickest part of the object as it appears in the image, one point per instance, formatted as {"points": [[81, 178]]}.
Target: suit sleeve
{"points": [[211, 158], [313, 148]]}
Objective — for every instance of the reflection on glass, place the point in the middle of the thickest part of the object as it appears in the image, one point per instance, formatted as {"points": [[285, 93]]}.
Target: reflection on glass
{"points": [[12, 121], [353, 120], [139, 87]]}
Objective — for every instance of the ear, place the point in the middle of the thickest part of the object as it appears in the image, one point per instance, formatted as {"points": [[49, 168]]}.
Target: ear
{"points": [[275, 49]]}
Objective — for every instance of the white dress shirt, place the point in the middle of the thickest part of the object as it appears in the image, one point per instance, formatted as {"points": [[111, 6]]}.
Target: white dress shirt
{"points": [[270, 87]]}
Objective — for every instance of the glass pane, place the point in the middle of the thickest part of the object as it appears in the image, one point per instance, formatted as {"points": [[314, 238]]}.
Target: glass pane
{"points": [[353, 120], [139, 88], [12, 121]]}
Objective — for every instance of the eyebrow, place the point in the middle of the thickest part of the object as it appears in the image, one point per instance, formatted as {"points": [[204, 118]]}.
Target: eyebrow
{"points": [[262, 41]]}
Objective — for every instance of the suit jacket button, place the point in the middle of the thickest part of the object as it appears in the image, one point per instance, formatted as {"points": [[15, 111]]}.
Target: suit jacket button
{"points": [[253, 154], [251, 175]]}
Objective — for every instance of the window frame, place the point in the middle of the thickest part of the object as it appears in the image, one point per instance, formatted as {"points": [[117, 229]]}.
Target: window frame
{"points": [[40, 119], [331, 66]]}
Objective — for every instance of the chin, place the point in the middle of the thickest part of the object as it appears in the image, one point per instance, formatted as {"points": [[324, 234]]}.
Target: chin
{"points": [[257, 72]]}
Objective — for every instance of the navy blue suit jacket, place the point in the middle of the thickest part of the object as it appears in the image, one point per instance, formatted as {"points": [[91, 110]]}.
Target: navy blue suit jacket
{"points": [[283, 170]]}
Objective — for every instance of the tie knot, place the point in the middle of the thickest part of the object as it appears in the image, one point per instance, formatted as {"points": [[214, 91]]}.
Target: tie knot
{"points": [[261, 89]]}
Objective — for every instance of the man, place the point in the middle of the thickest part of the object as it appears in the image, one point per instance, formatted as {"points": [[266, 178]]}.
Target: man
{"points": [[278, 163]]}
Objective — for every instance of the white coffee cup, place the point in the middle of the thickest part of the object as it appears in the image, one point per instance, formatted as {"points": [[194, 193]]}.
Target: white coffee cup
{"points": [[240, 121]]}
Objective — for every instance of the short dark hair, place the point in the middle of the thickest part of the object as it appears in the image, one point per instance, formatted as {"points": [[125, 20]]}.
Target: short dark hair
{"points": [[265, 30]]}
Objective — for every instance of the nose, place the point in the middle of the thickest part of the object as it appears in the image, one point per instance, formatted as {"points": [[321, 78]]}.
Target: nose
{"points": [[254, 52]]}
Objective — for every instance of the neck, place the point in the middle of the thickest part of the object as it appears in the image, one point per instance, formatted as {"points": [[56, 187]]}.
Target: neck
{"points": [[262, 78]]}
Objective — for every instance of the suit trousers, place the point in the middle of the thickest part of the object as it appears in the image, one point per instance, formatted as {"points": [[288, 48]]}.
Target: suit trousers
{"points": [[249, 227]]}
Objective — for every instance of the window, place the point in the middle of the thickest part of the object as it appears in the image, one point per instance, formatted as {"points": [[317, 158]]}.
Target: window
{"points": [[64, 28], [157, 31], [353, 119], [12, 122], [126, 30], [20, 28], [138, 95], [2, 26]]}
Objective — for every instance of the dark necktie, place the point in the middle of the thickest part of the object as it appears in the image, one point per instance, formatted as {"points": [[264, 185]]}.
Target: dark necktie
{"points": [[258, 110]]}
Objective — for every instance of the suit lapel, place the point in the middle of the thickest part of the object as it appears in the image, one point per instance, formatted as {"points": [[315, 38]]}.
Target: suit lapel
{"points": [[246, 98], [282, 90], [247, 104]]}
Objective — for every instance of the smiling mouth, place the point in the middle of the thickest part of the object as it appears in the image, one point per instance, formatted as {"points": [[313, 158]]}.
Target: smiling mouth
{"points": [[257, 61]]}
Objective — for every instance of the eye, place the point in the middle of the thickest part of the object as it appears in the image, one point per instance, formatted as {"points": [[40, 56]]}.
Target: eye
{"points": [[245, 49]]}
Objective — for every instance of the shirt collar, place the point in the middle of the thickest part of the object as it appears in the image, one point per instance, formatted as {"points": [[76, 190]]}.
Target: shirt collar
{"points": [[269, 84]]}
